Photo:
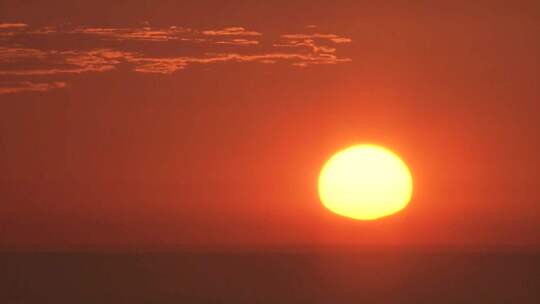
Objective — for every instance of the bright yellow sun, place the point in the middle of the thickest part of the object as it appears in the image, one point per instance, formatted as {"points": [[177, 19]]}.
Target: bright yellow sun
{"points": [[365, 182]]}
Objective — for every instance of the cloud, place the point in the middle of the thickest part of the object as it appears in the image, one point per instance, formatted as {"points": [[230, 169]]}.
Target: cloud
{"points": [[308, 43], [12, 25], [15, 54], [8, 30], [173, 64], [146, 33], [39, 63], [231, 31], [63, 54], [238, 42], [102, 60], [341, 40], [141, 34], [27, 86], [332, 37], [317, 43]]}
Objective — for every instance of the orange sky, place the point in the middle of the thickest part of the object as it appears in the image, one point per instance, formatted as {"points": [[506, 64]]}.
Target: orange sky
{"points": [[169, 125]]}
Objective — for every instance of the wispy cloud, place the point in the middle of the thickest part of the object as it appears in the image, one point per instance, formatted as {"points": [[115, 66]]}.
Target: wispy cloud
{"points": [[307, 43], [12, 25], [8, 30], [332, 37], [238, 42], [27, 86], [16, 54], [173, 64], [231, 31], [39, 63], [341, 40], [322, 47], [142, 34], [22, 63]]}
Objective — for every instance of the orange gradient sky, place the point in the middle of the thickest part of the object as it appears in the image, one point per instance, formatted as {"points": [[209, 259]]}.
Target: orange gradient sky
{"points": [[166, 125]]}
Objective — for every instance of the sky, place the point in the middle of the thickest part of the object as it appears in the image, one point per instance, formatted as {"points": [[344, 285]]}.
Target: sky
{"points": [[167, 124]]}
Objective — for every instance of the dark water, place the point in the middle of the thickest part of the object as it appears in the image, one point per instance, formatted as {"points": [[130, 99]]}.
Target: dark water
{"points": [[269, 278]]}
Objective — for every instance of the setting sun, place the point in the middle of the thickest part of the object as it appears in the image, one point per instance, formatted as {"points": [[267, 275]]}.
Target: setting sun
{"points": [[365, 182]]}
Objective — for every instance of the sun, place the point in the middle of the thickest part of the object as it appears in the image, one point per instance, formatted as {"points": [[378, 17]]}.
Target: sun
{"points": [[365, 182]]}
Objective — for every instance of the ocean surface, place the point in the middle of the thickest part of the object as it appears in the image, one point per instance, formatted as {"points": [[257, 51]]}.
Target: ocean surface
{"points": [[269, 278]]}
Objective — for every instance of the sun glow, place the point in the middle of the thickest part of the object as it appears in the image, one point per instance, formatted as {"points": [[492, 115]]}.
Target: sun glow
{"points": [[365, 182]]}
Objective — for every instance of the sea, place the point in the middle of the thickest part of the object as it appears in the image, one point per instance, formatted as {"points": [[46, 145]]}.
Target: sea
{"points": [[269, 277]]}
